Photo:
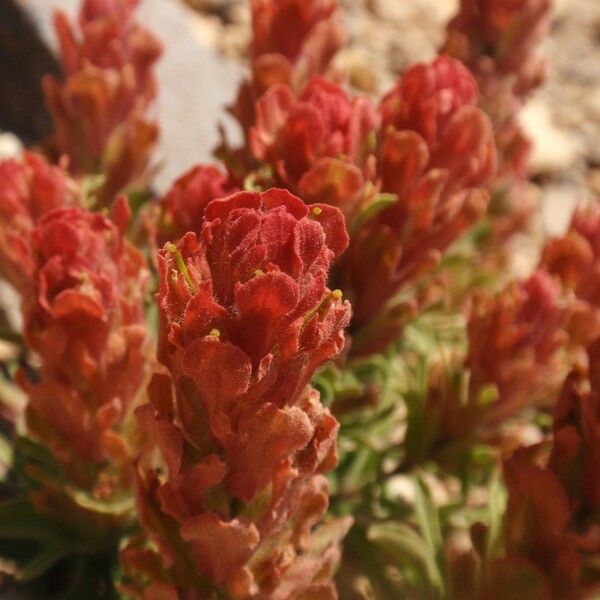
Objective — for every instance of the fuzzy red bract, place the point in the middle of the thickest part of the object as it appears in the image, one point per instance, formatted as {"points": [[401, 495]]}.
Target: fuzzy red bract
{"points": [[29, 188], [293, 41], [517, 340], [551, 500], [316, 144], [574, 257], [427, 96], [110, 39], [435, 153], [99, 110], [245, 319], [497, 40], [499, 37], [284, 27], [182, 208], [84, 317]]}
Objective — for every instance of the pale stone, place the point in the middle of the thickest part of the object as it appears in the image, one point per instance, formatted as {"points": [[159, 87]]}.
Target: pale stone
{"points": [[10, 146], [554, 149], [557, 206]]}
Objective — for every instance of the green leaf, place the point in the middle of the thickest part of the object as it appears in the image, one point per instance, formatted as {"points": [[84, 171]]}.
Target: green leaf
{"points": [[404, 545], [497, 508], [429, 524], [6, 457], [19, 520], [381, 202], [42, 561], [359, 470]]}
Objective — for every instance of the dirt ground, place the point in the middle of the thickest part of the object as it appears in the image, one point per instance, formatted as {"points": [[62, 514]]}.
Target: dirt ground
{"points": [[562, 117]]}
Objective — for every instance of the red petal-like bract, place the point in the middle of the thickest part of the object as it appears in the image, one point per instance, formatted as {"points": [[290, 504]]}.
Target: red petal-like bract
{"points": [[293, 41], [575, 257], [83, 316], [498, 40], [245, 320], [182, 208], [435, 151], [29, 188], [517, 340], [99, 110], [552, 513], [290, 27], [317, 144]]}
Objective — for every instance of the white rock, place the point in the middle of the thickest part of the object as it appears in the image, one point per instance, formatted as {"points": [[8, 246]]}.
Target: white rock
{"points": [[557, 206], [10, 146], [554, 149]]}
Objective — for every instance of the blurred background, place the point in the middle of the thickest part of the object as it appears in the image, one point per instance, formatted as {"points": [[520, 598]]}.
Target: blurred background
{"points": [[205, 57]]}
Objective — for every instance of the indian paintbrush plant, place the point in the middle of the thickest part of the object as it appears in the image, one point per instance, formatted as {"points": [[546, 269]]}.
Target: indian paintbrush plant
{"points": [[299, 373]]}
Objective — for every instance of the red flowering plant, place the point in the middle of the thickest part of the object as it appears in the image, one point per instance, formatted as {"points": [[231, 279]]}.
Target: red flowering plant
{"points": [[551, 529], [574, 257], [293, 40], [246, 318], [84, 319], [283, 445], [100, 109], [318, 144], [30, 188], [82, 292], [434, 175], [498, 40], [181, 209]]}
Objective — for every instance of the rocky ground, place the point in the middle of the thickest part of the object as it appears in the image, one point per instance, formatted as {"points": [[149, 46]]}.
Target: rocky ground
{"points": [[386, 36]]}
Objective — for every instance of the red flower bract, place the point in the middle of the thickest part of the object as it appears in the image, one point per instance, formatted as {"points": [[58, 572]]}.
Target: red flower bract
{"points": [[296, 136], [84, 317], [111, 39], [575, 257], [293, 41], [245, 319], [29, 188], [517, 340], [427, 96], [252, 303], [553, 500], [182, 208], [285, 27], [99, 110], [435, 151], [496, 38]]}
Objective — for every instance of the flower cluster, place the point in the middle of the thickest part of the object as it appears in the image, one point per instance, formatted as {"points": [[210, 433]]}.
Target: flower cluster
{"points": [[551, 527], [29, 188], [435, 152], [182, 208], [235, 425], [99, 110], [574, 257], [293, 40], [317, 144], [516, 341], [245, 319], [409, 175], [498, 41], [522, 341], [295, 35], [83, 316]]}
